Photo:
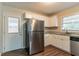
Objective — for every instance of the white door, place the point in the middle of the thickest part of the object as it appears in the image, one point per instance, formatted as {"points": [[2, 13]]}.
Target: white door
{"points": [[12, 41]]}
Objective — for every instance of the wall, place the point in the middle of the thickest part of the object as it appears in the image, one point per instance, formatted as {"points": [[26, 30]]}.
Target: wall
{"points": [[1, 28], [67, 12]]}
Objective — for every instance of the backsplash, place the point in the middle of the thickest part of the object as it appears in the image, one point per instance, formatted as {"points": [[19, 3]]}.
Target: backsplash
{"points": [[49, 30]]}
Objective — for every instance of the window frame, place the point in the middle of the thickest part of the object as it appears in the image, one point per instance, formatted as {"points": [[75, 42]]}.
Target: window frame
{"points": [[69, 22]]}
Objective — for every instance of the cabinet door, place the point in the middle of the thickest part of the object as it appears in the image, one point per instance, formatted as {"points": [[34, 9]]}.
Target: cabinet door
{"points": [[59, 41], [62, 42], [53, 40], [46, 22], [66, 44], [46, 39], [53, 21]]}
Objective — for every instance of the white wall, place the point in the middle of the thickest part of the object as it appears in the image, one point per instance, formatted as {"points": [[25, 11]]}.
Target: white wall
{"points": [[1, 28]]}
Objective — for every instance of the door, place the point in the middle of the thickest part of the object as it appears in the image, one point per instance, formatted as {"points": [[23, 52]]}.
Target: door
{"points": [[12, 41]]}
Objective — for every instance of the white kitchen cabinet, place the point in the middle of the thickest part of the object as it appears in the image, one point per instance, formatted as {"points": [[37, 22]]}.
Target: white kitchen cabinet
{"points": [[59, 41], [51, 22], [54, 21], [46, 39], [66, 43], [62, 42], [54, 40], [34, 16], [46, 23]]}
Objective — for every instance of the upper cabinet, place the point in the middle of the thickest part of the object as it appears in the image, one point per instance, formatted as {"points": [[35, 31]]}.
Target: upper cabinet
{"points": [[37, 17], [48, 21], [34, 15], [52, 21]]}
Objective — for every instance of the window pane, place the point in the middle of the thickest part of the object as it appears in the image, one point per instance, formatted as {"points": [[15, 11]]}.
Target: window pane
{"points": [[71, 23], [12, 25], [67, 26], [75, 26]]}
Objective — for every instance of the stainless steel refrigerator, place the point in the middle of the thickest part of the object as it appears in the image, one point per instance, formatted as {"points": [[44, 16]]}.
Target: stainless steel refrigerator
{"points": [[34, 36]]}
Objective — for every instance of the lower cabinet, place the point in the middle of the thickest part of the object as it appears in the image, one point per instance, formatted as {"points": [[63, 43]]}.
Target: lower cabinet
{"points": [[66, 44], [59, 41], [46, 39]]}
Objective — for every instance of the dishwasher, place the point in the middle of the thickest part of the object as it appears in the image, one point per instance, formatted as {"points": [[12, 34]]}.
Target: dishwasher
{"points": [[74, 46]]}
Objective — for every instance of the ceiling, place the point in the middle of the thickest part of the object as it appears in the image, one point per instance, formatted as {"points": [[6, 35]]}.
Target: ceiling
{"points": [[42, 7]]}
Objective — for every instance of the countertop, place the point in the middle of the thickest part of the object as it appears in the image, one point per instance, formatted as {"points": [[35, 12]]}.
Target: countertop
{"points": [[61, 33]]}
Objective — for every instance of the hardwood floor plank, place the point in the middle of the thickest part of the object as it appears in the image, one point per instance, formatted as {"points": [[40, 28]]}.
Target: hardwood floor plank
{"points": [[52, 52]]}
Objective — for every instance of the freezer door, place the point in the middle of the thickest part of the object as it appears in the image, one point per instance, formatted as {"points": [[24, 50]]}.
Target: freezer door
{"points": [[36, 42], [35, 25]]}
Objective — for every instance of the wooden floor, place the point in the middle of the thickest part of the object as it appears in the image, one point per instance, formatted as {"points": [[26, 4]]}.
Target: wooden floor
{"points": [[49, 51]]}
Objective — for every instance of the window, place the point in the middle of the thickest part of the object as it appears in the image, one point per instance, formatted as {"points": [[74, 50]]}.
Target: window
{"points": [[71, 23], [12, 25]]}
